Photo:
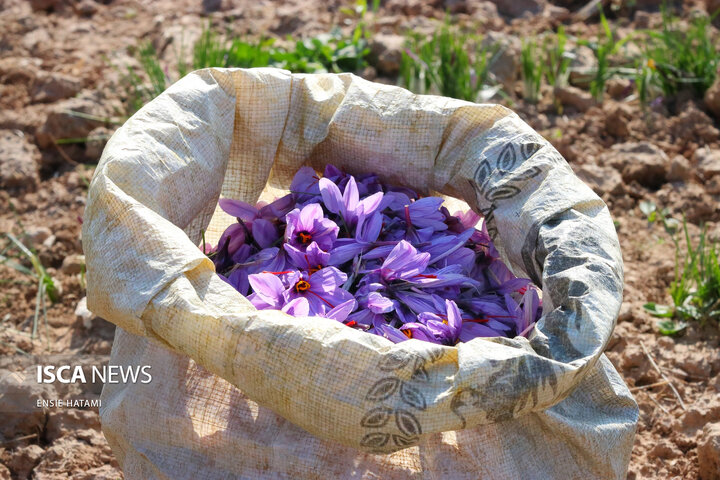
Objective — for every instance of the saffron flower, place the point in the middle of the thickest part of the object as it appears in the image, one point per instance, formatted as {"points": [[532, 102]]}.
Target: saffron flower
{"points": [[373, 257]]}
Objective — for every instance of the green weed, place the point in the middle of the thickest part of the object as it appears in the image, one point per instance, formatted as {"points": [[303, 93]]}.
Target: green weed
{"points": [[533, 70], [558, 58], [695, 291], [449, 63], [46, 285], [604, 47], [682, 58], [330, 52]]}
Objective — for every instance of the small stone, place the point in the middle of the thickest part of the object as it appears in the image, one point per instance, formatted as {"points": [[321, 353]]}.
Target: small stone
{"points": [[210, 6], [39, 5], [601, 179], [73, 264], [105, 472], [82, 313], [679, 169], [506, 65], [18, 162], [386, 51], [618, 88], [707, 161], [573, 97], [87, 8], [38, 235], [63, 422], [4, 473], [642, 19], [626, 312], [712, 98], [582, 66], [642, 162], [665, 450], [61, 122], [49, 241], [519, 8], [556, 12], [618, 119], [666, 343], [97, 139], [51, 87], [695, 364], [24, 460], [708, 451]]}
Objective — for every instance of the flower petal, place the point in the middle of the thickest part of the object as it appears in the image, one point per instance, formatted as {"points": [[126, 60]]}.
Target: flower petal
{"points": [[238, 209]]}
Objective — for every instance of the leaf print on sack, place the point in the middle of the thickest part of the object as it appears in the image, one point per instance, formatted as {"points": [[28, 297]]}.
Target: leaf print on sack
{"points": [[375, 440], [507, 158], [393, 361], [407, 423], [383, 389], [376, 418], [436, 354], [502, 192], [402, 441], [419, 372], [412, 396], [527, 150]]}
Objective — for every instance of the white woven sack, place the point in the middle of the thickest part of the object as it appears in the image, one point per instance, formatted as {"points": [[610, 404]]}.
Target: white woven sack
{"points": [[240, 393]]}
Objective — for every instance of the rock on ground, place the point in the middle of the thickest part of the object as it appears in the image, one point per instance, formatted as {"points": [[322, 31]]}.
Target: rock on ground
{"points": [[73, 118], [712, 97], [506, 64], [601, 179], [386, 53], [642, 162], [519, 8], [709, 452], [51, 87], [20, 393], [679, 169], [18, 162], [574, 97], [707, 161], [24, 459]]}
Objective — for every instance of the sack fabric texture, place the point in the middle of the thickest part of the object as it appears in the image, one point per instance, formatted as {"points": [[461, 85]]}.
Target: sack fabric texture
{"points": [[241, 393]]}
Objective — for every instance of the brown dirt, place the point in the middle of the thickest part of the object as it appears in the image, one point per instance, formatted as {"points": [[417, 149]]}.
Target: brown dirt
{"points": [[62, 55]]}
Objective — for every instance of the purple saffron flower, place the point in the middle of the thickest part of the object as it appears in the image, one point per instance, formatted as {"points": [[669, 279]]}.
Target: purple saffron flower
{"points": [[406, 332], [308, 225], [404, 262], [366, 234], [502, 279], [472, 330], [412, 270], [348, 205], [312, 259], [425, 213], [322, 290], [305, 185], [297, 308], [444, 326], [248, 213], [525, 315], [269, 289]]}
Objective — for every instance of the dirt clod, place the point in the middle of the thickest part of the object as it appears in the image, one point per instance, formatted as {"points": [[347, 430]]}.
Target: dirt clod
{"points": [[709, 452]]}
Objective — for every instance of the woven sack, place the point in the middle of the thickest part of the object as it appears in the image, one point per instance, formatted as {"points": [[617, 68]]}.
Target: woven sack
{"points": [[241, 393]]}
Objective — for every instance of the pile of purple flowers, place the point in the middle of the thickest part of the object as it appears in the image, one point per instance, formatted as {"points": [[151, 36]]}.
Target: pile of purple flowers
{"points": [[375, 257]]}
